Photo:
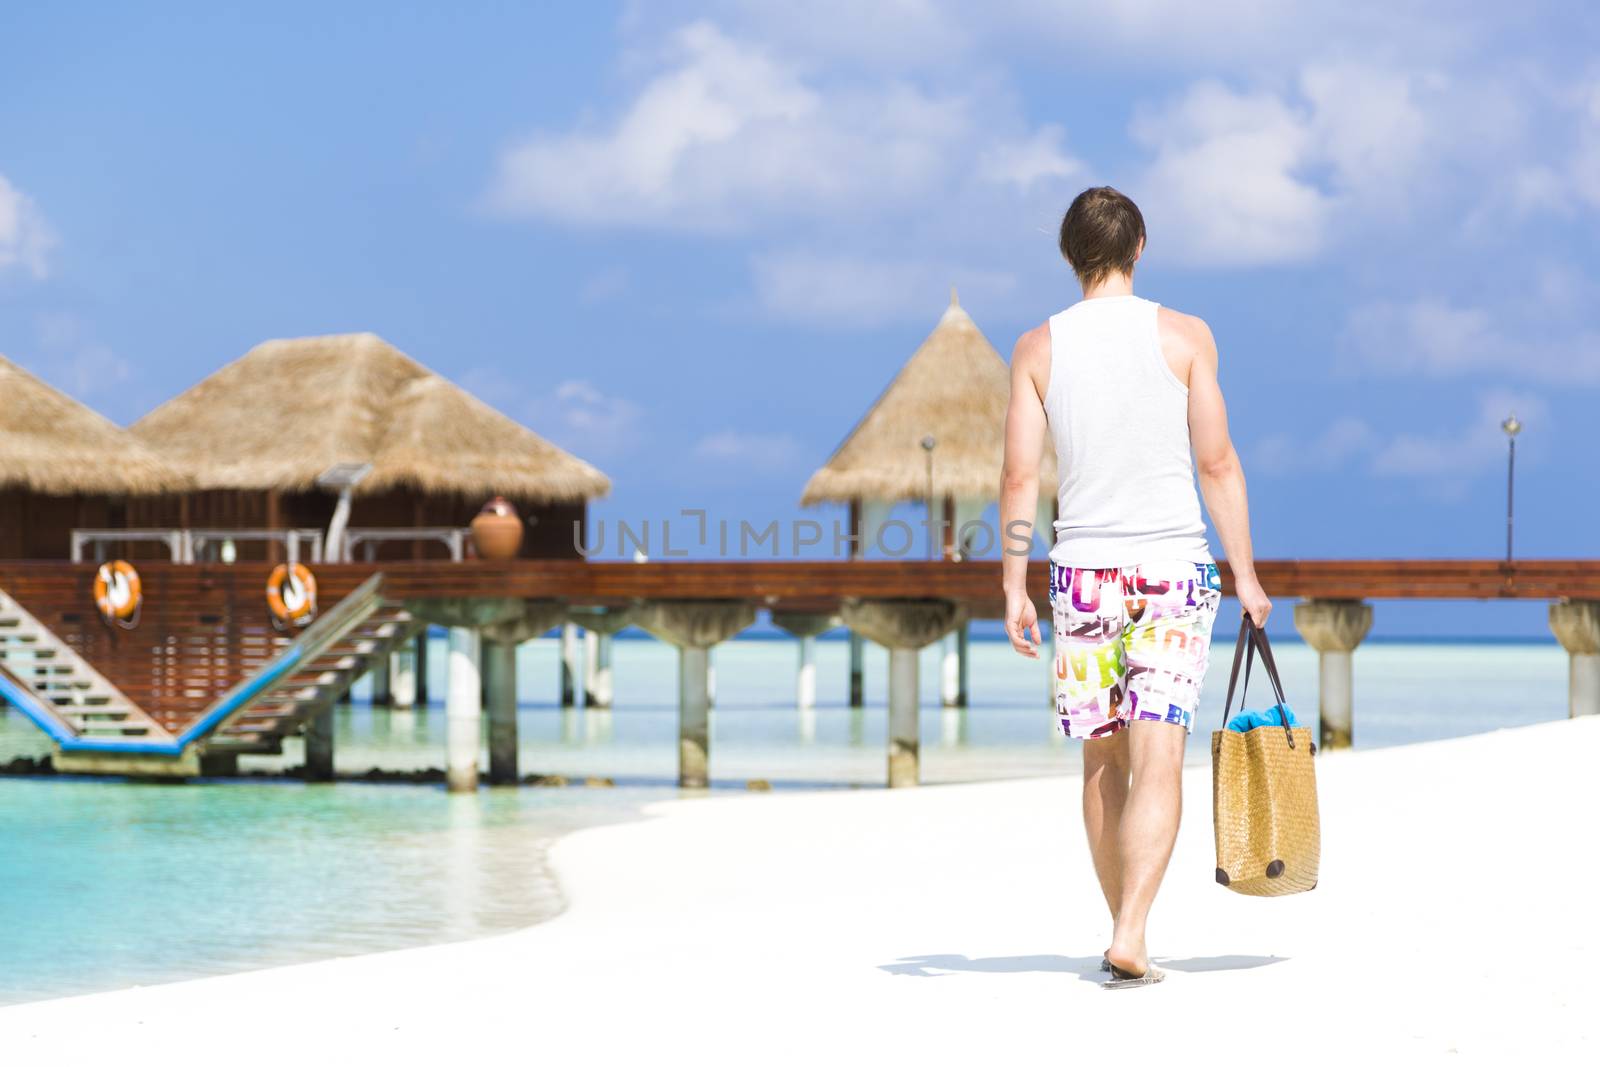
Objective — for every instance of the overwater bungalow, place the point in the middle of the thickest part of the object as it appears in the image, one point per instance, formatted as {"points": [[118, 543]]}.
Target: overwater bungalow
{"points": [[939, 429], [259, 437], [935, 436], [64, 466]]}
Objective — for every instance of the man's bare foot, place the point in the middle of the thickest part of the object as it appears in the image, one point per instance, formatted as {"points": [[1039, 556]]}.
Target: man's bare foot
{"points": [[1132, 961]]}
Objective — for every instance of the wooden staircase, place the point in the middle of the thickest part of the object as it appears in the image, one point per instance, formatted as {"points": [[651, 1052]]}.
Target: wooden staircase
{"points": [[317, 682], [98, 730], [75, 695]]}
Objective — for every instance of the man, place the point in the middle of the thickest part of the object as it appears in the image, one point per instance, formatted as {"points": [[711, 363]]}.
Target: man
{"points": [[1126, 389]]}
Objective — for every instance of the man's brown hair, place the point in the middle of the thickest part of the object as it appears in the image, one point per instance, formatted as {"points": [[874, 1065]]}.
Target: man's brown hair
{"points": [[1101, 234]]}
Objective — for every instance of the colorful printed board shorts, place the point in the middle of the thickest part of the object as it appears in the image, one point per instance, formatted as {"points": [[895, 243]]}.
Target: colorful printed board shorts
{"points": [[1131, 643]]}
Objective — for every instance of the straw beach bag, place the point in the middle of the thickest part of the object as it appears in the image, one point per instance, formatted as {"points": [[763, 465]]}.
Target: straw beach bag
{"points": [[1264, 792]]}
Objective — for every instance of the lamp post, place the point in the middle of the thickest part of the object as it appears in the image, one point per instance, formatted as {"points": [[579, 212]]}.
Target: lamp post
{"points": [[927, 446], [1512, 427]]}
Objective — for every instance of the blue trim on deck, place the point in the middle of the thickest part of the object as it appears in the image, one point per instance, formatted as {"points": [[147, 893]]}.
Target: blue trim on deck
{"points": [[114, 744], [42, 716], [249, 692], [28, 702]]}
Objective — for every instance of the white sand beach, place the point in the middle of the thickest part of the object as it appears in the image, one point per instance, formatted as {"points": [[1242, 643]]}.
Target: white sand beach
{"points": [[962, 924]]}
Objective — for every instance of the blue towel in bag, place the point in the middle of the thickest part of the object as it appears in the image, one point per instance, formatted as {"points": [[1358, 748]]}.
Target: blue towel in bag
{"points": [[1276, 715]]}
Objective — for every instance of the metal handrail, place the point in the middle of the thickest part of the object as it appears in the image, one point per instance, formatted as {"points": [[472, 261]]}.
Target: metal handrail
{"points": [[289, 537], [328, 628], [185, 544], [177, 542], [454, 538]]}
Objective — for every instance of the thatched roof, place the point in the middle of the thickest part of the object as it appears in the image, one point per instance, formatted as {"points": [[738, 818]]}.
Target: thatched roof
{"points": [[955, 387], [289, 410], [50, 443]]}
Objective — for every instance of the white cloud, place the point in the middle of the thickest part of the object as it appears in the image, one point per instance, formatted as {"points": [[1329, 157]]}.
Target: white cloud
{"points": [[850, 144], [74, 361], [1226, 185], [1435, 338], [1564, 292], [825, 289], [605, 285], [888, 34], [592, 419], [576, 414], [1368, 126], [1428, 335], [1464, 450], [1447, 457], [665, 161], [25, 237], [1544, 159], [1586, 165], [1336, 447], [728, 135], [1176, 34], [1532, 188], [1243, 178], [1025, 162], [763, 451]]}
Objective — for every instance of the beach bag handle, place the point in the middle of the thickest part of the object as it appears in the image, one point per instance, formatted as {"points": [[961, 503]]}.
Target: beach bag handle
{"points": [[1251, 636]]}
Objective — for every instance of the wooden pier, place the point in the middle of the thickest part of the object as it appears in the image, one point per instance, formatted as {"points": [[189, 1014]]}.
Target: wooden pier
{"points": [[205, 632]]}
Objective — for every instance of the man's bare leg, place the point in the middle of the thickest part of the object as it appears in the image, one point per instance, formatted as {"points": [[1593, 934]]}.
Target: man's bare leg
{"points": [[1149, 828], [1105, 792]]}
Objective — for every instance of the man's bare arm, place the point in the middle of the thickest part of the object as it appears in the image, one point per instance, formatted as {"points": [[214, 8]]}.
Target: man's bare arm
{"points": [[1217, 464], [1019, 484]]}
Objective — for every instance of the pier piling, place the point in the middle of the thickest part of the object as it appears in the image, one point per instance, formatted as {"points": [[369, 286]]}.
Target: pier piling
{"points": [[904, 627], [500, 684], [421, 660], [1576, 624], [694, 718], [905, 759], [856, 656], [382, 693], [599, 625], [500, 643], [602, 684], [463, 711], [953, 668], [805, 678], [403, 676], [805, 627], [571, 665], [319, 746], [695, 626], [465, 616], [1334, 628], [591, 666]]}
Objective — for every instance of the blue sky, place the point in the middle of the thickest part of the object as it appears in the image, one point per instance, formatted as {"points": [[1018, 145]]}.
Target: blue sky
{"points": [[692, 242]]}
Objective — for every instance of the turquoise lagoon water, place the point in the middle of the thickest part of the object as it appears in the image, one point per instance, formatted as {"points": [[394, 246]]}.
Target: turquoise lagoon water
{"points": [[105, 884]]}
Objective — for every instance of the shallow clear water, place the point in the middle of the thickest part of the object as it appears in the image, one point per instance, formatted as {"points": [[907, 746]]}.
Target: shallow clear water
{"points": [[1404, 693], [105, 884]]}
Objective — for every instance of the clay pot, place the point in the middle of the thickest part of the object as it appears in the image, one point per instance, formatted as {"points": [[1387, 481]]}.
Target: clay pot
{"points": [[497, 530]]}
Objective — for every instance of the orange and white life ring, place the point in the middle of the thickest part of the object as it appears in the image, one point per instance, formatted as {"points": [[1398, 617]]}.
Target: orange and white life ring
{"points": [[292, 595], [118, 593]]}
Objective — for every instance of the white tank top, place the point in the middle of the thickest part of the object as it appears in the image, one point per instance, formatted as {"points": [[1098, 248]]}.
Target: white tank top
{"points": [[1119, 418]]}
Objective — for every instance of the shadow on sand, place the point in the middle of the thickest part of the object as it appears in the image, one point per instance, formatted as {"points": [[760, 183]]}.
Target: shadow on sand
{"points": [[1086, 968]]}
